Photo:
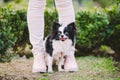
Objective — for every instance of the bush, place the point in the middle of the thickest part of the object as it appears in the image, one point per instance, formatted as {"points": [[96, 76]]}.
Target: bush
{"points": [[14, 30], [7, 0], [50, 17], [16, 1], [92, 29], [114, 39], [13, 25], [7, 39], [96, 29]]}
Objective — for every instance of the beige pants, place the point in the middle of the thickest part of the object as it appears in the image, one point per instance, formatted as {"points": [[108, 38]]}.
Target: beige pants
{"points": [[35, 19]]}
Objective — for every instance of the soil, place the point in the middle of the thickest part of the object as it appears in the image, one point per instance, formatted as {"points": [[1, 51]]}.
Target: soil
{"points": [[20, 69]]}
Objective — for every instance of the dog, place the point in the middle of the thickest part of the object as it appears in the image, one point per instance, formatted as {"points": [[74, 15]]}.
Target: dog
{"points": [[58, 44]]}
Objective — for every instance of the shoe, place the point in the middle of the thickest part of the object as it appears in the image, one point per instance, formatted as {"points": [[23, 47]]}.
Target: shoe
{"points": [[39, 63], [70, 64]]}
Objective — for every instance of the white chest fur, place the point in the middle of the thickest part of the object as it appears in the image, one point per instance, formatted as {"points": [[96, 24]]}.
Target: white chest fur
{"points": [[61, 46]]}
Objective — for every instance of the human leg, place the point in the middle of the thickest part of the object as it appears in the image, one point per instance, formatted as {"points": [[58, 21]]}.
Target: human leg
{"points": [[65, 11], [35, 18]]}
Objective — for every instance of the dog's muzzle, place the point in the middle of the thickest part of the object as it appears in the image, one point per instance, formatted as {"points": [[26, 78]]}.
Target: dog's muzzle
{"points": [[63, 39]]}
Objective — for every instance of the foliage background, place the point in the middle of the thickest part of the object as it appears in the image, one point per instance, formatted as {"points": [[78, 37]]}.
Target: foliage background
{"points": [[96, 27]]}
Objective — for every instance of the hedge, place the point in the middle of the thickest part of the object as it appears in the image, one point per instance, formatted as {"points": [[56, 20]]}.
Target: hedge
{"points": [[94, 29], [13, 30], [114, 39]]}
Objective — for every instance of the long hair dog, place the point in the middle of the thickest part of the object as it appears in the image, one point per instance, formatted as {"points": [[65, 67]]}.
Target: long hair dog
{"points": [[59, 44]]}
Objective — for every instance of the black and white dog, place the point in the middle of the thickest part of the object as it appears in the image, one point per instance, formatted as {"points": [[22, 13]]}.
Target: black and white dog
{"points": [[59, 44]]}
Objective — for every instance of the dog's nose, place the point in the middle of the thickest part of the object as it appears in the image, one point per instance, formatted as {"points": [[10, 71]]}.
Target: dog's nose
{"points": [[62, 36]]}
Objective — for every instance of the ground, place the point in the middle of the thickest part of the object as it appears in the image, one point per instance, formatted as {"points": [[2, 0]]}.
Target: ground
{"points": [[90, 68]]}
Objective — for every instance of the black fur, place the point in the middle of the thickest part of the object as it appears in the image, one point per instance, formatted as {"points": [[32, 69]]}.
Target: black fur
{"points": [[53, 35], [71, 29], [48, 45]]}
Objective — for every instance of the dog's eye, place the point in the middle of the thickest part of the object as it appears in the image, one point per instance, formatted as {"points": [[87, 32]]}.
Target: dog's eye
{"points": [[66, 33], [59, 32]]}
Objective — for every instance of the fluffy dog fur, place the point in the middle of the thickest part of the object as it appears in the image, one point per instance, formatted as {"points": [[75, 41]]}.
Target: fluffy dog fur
{"points": [[59, 44]]}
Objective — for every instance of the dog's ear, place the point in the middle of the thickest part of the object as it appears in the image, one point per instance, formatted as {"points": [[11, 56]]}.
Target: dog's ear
{"points": [[72, 26], [56, 25]]}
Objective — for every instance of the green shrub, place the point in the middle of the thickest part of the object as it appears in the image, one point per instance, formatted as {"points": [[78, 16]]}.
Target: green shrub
{"points": [[114, 39], [12, 29], [19, 27], [18, 1], [92, 29], [7, 0], [7, 39], [50, 17]]}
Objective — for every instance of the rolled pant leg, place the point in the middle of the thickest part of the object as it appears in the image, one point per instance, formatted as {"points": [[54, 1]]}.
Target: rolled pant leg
{"points": [[66, 16], [35, 18]]}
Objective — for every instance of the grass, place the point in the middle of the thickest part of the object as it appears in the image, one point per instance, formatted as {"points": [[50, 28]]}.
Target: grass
{"points": [[90, 68], [96, 68]]}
